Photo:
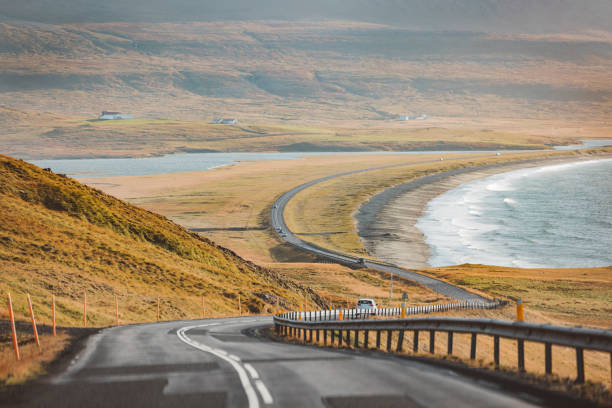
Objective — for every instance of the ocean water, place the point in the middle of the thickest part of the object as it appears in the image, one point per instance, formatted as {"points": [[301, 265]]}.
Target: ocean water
{"points": [[183, 162], [553, 216]]}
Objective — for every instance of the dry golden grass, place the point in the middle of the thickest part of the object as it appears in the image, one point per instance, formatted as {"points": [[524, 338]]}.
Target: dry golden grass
{"points": [[35, 135], [577, 296], [33, 359], [343, 286], [60, 237]]}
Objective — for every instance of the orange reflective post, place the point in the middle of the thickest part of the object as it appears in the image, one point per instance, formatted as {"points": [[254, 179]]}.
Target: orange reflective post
{"points": [[239, 306], [84, 309], [203, 309], [116, 311], [520, 315], [53, 313], [13, 331], [34, 329]]}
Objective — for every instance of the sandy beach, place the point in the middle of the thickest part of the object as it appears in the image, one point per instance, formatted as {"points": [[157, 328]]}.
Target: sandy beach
{"points": [[386, 222]]}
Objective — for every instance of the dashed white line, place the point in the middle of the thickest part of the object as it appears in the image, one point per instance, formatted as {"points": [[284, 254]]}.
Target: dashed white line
{"points": [[252, 371], [235, 363], [263, 391]]}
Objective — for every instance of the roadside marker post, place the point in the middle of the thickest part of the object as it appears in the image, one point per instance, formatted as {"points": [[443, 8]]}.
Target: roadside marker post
{"points": [[53, 314], [34, 329], [239, 306], [203, 310], [520, 315], [341, 316], [13, 330], [116, 311], [84, 309], [300, 312], [158, 308]]}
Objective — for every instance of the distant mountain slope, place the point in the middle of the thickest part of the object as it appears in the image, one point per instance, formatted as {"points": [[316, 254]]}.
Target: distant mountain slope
{"points": [[473, 15], [60, 237]]}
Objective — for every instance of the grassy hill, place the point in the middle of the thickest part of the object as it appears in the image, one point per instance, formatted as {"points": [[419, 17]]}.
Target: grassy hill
{"points": [[60, 237]]}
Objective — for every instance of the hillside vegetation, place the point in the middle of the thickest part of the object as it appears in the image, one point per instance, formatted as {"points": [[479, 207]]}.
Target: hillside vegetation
{"points": [[60, 237]]}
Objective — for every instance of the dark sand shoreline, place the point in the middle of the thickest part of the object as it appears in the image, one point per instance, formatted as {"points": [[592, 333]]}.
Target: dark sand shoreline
{"points": [[386, 222]]}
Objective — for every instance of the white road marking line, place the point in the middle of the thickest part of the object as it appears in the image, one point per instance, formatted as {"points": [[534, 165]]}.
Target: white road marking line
{"points": [[242, 374], [233, 357], [252, 371], [263, 391]]}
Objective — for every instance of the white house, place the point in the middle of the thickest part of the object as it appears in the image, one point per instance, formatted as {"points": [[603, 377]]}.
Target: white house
{"points": [[225, 121], [414, 117], [107, 115]]}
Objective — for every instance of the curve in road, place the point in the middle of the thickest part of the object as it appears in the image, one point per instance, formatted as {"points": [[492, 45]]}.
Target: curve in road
{"points": [[279, 225], [226, 363]]}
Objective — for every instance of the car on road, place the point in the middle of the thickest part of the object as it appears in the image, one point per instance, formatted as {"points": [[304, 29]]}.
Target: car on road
{"points": [[366, 307], [361, 261]]}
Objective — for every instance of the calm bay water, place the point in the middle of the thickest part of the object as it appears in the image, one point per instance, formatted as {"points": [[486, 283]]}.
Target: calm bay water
{"points": [[553, 216]]}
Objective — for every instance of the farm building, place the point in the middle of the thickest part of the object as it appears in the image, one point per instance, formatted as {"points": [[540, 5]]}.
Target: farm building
{"points": [[107, 115]]}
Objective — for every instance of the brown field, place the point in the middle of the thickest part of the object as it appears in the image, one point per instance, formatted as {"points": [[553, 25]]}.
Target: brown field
{"points": [[564, 296], [298, 86], [33, 359]]}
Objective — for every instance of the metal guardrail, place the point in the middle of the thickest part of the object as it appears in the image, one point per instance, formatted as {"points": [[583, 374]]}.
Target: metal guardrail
{"points": [[289, 324], [348, 314]]}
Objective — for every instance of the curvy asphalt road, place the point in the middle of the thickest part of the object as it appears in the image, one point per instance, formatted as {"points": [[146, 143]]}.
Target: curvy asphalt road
{"points": [[278, 223], [226, 363]]}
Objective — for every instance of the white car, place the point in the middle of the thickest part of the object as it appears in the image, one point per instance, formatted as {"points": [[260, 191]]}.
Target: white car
{"points": [[366, 307]]}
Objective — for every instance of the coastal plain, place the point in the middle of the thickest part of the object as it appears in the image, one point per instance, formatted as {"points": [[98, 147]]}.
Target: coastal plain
{"points": [[231, 206]]}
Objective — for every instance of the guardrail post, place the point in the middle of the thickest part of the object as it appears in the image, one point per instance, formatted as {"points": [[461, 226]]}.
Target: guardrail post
{"points": [[318, 334], [496, 350], [340, 337], [348, 338], [310, 335], [432, 341], [367, 345], [548, 358], [580, 365], [521, 354], [473, 347], [356, 335], [449, 348], [400, 341], [333, 337], [377, 339], [415, 341], [325, 337], [389, 336]]}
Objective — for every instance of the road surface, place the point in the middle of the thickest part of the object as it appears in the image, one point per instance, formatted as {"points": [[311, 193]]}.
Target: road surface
{"points": [[225, 363]]}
